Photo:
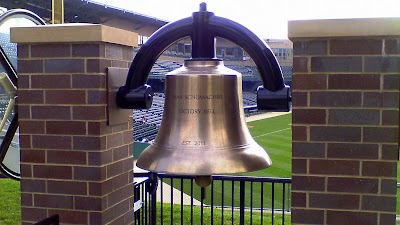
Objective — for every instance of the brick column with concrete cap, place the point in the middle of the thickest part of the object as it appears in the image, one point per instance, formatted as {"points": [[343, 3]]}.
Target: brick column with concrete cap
{"points": [[345, 121], [72, 162]]}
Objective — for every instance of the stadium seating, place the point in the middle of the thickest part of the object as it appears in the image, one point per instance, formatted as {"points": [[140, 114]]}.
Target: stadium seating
{"points": [[287, 72], [249, 99]]}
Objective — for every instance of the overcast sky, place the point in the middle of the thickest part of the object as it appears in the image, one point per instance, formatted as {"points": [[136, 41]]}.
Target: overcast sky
{"points": [[267, 18]]}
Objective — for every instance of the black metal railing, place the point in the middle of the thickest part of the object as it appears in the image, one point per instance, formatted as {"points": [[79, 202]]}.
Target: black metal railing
{"points": [[228, 200], [145, 198]]}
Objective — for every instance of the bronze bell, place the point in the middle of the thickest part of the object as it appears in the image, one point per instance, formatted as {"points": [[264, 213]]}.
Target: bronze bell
{"points": [[203, 129]]}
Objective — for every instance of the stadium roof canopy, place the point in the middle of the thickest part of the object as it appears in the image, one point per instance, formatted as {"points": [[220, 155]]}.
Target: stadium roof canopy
{"points": [[86, 11]]}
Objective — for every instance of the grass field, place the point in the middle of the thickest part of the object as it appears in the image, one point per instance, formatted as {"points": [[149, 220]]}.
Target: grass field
{"points": [[10, 202], [218, 218], [275, 135]]}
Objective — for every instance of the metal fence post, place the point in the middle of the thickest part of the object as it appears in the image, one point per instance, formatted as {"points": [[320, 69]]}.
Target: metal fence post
{"points": [[153, 198], [153, 206], [242, 199]]}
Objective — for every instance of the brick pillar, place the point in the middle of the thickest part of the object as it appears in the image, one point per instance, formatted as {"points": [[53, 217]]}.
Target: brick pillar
{"points": [[345, 121], [72, 163]]}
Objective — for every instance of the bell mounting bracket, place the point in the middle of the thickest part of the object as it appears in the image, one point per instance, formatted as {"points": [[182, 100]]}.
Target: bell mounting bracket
{"points": [[203, 27]]}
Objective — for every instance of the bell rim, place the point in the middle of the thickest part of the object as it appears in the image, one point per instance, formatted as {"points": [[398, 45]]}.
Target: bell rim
{"points": [[151, 160]]}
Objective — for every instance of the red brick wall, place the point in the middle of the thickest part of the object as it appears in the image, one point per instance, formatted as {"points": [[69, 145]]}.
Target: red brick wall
{"points": [[345, 130], [72, 163]]}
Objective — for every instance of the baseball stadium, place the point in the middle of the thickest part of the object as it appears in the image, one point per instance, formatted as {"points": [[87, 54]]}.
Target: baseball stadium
{"points": [[73, 151]]}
